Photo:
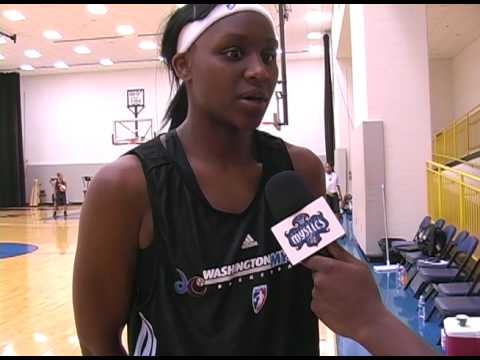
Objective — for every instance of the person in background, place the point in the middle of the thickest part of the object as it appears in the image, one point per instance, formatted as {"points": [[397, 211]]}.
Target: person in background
{"points": [[346, 210], [60, 188], [334, 193]]}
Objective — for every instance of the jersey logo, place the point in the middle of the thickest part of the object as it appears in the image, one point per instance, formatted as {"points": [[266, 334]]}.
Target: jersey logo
{"points": [[195, 286], [306, 230], [249, 242], [259, 297]]}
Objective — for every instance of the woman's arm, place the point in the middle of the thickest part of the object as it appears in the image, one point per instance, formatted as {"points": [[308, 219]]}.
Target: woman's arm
{"points": [[310, 167], [104, 269]]}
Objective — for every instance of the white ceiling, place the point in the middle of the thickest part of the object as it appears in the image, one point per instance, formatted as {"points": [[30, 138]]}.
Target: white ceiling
{"points": [[451, 28], [74, 23]]}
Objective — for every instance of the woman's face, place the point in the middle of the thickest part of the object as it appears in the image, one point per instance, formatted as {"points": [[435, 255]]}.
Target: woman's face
{"points": [[234, 70]]}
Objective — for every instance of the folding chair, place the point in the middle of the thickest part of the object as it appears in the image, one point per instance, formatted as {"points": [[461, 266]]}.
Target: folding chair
{"points": [[467, 288], [444, 260], [427, 220], [409, 247], [426, 276], [412, 257], [393, 242], [454, 305]]}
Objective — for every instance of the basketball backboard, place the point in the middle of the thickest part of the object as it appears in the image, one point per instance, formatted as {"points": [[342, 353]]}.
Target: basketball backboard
{"points": [[136, 101], [132, 131]]}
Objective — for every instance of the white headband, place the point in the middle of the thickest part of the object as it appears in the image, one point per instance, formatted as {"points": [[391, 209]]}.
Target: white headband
{"points": [[193, 30]]}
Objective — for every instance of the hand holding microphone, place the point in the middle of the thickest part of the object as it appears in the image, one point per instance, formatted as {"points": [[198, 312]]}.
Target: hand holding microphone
{"points": [[342, 284], [344, 295]]}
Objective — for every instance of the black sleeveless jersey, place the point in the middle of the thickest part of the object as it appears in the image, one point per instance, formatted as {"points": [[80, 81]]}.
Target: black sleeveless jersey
{"points": [[212, 282]]}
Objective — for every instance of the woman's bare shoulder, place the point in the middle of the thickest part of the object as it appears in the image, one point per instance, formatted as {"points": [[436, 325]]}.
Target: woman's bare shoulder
{"points": [[309, 166], [123, 177]]}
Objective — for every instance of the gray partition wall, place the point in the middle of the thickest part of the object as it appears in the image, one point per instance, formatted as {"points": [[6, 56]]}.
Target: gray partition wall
{"points": [[72, 173]]}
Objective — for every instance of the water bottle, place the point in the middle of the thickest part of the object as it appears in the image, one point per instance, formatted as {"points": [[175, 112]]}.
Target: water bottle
{"points": [[421, 308], [399, 277], [402, 274]]}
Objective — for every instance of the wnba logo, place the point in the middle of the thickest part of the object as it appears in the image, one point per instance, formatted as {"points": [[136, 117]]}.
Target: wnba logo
{"points": [[195, 286]]}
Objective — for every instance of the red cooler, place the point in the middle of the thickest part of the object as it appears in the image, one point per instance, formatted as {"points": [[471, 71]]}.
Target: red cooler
{"points": [[461, 335]]}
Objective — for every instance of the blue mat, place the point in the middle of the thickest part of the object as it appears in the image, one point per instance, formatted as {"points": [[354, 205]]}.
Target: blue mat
{"points": [[15, 249]]}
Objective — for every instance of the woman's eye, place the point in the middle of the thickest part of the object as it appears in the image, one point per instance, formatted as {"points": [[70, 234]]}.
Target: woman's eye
{"points": [[234, 54], [269, 57]]}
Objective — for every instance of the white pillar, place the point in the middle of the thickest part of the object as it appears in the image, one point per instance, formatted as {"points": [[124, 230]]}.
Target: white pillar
{"points": [[391, 86]]}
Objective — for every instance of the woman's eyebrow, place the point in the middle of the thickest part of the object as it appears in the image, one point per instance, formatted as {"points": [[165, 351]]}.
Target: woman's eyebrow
{"points": [[243, 37]]}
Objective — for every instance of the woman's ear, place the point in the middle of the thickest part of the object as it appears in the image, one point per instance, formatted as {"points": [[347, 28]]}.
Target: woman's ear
{"points": [[181, 66]]}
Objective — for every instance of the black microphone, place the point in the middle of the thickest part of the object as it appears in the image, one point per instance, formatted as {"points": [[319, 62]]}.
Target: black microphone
{"points": [[286, 194]]}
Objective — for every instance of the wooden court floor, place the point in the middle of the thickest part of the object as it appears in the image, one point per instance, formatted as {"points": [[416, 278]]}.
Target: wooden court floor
{"points": [[36, 312]]}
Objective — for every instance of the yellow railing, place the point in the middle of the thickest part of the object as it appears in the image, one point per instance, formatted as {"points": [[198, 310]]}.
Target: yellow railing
{"points": [[437, 158], [454, 196], [460, 138]]}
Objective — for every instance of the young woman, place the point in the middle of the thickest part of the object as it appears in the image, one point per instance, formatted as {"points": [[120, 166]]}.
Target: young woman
{"points": [[175, 237], [60, 186]]}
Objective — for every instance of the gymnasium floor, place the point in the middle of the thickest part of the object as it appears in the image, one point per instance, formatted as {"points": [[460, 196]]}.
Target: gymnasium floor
{"points": [[36, 313]]}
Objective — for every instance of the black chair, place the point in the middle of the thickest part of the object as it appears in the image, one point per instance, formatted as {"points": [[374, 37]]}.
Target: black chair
{"points": [[446, 257], [454, 305], [414, 246], [394, 255], [412, 257], [427, 220], [466, 288], [426, 276], [444, 260]]}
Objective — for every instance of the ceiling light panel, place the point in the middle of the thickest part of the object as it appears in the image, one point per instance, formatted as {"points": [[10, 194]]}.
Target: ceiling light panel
{"points": [[97, 9], [32, 54], [52, 35], [106, 62], [148, 45], [61, 65], [125, 29], [82, 49], [13, 15]]}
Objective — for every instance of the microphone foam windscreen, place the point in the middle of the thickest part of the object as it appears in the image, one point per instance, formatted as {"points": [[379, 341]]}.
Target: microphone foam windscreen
{"points": [[286, 193]]}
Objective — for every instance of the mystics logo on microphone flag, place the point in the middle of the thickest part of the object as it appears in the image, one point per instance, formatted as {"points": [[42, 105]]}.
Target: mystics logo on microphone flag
{"points": [[307, 230], [315, 226]]}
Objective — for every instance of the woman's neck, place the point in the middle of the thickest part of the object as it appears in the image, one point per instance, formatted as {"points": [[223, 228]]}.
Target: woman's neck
{"points": [[216, 142]]}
